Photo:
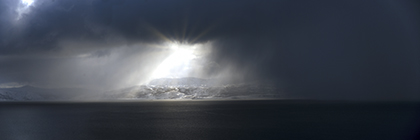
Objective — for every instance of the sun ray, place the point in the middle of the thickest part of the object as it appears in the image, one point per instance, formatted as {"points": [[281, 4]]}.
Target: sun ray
{"points": [[27, 2], [184, 29], [207, 30], [178, 63], [156, 32]]}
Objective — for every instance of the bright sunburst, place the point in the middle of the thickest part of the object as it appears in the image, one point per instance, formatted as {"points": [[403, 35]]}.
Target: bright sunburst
{"points": [[27, 2], [23, 8], [178, 63]]}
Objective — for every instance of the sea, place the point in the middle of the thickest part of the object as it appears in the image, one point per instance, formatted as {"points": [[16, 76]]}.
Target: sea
{"points": [[210, 120]]}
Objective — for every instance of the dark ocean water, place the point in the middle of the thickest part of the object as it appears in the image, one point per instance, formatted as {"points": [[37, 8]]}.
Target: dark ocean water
{"points": [[257, 119]]}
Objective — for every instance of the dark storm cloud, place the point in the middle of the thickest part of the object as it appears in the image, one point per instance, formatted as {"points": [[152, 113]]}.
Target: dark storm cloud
{"points": [[51, 21], [317, 49]]}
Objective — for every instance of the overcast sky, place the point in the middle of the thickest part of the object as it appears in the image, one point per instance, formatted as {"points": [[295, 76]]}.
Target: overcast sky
{"points": [[315, 49]]}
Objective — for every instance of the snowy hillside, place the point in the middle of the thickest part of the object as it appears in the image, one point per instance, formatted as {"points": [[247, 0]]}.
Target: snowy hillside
{"points": [[18, 94], [189, 81], [150, 92], [166, 88], [29, 93], [194, 88]]}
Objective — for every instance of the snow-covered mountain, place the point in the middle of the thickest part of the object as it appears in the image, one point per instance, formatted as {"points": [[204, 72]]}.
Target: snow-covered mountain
{"points": [[149, 92], [18, 94], [166, 88], [188, 81], [29, 93], [194, 88]]}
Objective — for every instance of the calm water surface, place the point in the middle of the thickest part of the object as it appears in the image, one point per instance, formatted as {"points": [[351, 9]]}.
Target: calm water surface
{"points": [[258, 119]]}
